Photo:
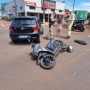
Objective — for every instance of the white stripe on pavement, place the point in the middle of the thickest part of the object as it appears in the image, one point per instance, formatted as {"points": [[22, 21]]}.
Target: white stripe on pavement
{"points": [[88, 36]]}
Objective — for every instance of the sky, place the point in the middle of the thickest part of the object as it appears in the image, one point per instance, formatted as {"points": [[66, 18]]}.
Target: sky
{"points": [[79, 4]]}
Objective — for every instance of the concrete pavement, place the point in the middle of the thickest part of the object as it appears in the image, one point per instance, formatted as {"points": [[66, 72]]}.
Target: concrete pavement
{"points": [[18, 70]]}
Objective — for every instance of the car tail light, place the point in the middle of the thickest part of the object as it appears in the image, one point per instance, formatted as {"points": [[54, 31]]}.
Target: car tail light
{"points": [[10, 28], [36, 28]]}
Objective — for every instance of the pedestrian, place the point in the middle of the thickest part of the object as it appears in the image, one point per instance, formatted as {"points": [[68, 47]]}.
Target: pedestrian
{"points": [[59, 24], [52, 20], [70, 23]]}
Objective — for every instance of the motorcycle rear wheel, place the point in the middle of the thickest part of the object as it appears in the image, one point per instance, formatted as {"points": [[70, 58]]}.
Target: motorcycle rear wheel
{"points": [[47, 61], [82, 30]]}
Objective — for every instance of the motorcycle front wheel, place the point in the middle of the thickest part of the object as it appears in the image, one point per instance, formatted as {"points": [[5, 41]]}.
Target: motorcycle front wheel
{"points": [[47, 61]]}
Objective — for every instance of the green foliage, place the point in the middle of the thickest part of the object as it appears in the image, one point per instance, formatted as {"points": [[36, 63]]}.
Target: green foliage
{"points": [[13, 17], [88, 16]]}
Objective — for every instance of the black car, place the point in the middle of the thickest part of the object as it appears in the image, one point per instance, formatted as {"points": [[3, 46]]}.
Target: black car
{"points": [[24, 27]]}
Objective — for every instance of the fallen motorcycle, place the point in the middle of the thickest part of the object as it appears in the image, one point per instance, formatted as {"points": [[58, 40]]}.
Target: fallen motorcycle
{"points": [[46, 56]]}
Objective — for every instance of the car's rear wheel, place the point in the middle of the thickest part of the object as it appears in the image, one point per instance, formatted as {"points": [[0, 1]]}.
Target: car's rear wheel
{"points": [[14, 41], [37, 41]]}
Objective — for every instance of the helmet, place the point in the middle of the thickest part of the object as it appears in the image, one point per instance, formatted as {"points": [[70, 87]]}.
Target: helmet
{"points": [[70, 49]]}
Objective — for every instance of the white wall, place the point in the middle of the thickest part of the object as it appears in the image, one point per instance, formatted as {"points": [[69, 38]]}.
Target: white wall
{"points": [[59, 6]]}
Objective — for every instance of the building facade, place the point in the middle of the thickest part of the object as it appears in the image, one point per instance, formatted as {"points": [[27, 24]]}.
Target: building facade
{"points": [[34, 7]]}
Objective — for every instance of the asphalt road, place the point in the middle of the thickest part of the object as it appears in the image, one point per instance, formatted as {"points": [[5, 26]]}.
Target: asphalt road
{"points": [[18, 71]]}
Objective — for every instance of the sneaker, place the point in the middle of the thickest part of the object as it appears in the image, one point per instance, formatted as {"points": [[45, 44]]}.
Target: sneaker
{"points": [[67, 37]]}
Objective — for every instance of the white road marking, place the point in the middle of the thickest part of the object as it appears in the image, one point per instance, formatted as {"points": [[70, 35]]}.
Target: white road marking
{"points": [[88, 36], [75, 58], [80, 55]]}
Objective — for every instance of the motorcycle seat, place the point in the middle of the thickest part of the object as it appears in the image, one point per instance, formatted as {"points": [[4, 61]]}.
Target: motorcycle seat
{"points": [[81, 42]]}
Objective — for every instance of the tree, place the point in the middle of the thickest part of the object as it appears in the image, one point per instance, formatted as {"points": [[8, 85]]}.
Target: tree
{"points": [[88, 17], [3, 8]]}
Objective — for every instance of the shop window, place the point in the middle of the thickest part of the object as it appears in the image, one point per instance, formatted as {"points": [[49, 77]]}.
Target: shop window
{"points": [[53, 10], [32, 7], [21, 8], [60, 10]]}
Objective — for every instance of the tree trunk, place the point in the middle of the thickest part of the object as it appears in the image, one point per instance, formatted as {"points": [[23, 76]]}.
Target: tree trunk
{"points": [[89, 22]]}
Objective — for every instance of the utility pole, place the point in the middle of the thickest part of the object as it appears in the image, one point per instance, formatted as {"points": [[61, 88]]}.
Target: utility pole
{"points": [[73, 4], [15, 8], [43, 13]]}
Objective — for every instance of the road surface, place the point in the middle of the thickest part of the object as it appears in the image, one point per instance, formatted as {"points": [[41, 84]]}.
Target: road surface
{"points": [[18, 71]]}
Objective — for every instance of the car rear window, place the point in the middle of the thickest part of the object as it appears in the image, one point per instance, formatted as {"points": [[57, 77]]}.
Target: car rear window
{"points": [[24, 21]]}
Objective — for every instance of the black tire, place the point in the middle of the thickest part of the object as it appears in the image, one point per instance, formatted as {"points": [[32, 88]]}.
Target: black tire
{"points": [[43, 63], [41, 31], [14, 41], [82, 30], [72, 29], [37, 41]]}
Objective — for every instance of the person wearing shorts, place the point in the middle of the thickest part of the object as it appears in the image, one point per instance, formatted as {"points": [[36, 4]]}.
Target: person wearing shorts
{"points": [[59, 25]]}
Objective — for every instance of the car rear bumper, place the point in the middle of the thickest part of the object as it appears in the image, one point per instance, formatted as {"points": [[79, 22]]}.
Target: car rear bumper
{"points": [[17, 36]]}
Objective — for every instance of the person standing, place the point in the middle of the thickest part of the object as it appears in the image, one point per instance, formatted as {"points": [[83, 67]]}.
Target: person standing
{"points": [[70, 23], [52, 20], [59, 24]]}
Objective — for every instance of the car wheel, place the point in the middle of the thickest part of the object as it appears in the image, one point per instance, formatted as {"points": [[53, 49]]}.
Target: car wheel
{"points": [[41, 31], [14, 41], [47, 61]]}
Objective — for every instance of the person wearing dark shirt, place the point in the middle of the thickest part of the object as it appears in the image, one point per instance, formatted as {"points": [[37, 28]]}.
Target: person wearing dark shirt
{"points": [[52, 20]]}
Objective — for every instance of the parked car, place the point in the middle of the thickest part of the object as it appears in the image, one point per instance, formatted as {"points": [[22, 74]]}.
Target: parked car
{"points": [[22, 27]]}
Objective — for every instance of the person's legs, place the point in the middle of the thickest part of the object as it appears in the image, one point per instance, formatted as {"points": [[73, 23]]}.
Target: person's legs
{"points": [[69, 30], [50, 34], [58, 32], [59, 29]]}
